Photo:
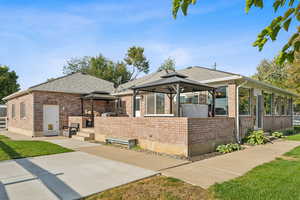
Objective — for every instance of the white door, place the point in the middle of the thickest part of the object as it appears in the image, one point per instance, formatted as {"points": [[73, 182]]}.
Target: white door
{"points": [[51, 120], [138, 106]]}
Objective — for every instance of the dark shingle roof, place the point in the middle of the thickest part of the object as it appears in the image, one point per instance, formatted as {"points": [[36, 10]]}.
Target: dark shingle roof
{"points": [[78, 83], [193, 73]]}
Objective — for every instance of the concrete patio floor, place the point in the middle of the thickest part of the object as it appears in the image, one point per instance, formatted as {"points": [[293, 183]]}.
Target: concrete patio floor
{"points": [[221, 168], [64, 176]]}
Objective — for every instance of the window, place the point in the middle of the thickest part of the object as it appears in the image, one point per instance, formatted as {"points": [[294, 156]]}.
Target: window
{"points": [[221, 106], [13, 110], [290, 106], [155, 103], [283, 106], [268, 103], [22, 110], [244, 101], [189, 99], [277, 105]]}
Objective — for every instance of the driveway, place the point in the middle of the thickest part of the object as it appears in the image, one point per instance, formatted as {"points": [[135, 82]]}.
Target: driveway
{"points": [[64, 176], [205, 173]]}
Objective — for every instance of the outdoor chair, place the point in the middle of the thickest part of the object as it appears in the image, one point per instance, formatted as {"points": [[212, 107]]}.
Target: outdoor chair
{"points": [[71, 130]]}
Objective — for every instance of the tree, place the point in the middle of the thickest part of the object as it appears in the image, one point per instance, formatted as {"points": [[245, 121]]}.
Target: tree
{"points": [[272, 72], [8, 82], [100, 67], [285, 75], [291, 13], [77, 65], [168, 64], [136, 59]]}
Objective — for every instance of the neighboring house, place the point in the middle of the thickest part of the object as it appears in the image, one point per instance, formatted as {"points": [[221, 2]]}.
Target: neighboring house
{"points": [[241, 104], [44, 109]]}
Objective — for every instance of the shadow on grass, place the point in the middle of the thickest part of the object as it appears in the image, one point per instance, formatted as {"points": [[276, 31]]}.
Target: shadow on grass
{"points": [[59, 188]]}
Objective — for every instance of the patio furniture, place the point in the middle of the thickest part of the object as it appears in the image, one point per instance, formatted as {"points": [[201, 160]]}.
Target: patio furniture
{"points": [[68, 131], [129, 142]]}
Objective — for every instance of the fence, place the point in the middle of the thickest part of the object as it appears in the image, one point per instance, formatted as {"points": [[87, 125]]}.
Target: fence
{"points": [[3, 118], [296, 120]]}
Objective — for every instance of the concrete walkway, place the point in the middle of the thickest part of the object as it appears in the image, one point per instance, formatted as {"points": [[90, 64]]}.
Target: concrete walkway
{"points": [[140, 159], [64, 176], [225, 167]]}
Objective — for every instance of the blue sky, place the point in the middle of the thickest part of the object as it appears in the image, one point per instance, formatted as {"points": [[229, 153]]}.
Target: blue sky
{"points": [[37, 37]]}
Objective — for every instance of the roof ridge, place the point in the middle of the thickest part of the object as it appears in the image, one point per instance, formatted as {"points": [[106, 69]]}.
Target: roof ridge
{"points": [[55, 79], [215, 70], [61, 77]]}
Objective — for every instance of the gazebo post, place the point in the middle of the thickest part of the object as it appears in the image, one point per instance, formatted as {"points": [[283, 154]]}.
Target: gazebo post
{"points": [[213, 103], [171, 103], [92, 112], [81, 101], [178, 99], [134, 103]]}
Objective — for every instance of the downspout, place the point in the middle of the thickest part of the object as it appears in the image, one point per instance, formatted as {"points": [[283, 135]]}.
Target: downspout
{"points": [[237, 117]]}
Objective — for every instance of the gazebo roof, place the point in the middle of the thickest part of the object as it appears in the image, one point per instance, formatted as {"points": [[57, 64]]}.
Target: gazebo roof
{"points": [[99, 95], [168, 81]]}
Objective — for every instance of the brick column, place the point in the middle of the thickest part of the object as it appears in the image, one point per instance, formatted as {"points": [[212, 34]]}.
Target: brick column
{"points": [[232, 100]]}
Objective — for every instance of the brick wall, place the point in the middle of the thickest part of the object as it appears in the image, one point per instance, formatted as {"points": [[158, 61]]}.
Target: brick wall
{"points": [[18, 124], [162, 134], [205, 134], [69, 105], [231, 100], [246, 124], [277, 122], [171, 135]]}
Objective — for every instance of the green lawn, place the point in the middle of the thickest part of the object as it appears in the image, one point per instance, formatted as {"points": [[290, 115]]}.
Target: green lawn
{"points": [[293, 137], [13, 149], [279, 179]]}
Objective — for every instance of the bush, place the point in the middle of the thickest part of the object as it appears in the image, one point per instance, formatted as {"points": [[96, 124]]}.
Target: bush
{"points": [[289, 132], [277, 134], [227, 148], [257, 137], [296, 129]]}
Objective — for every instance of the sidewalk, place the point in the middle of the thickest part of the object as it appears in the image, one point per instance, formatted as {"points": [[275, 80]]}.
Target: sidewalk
{"points": [[205, 173]]}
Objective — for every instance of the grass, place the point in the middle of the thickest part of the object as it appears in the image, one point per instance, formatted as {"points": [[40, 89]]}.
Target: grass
{"points": [[276, 180], [293, 137], [13, 149], [157, 187]]}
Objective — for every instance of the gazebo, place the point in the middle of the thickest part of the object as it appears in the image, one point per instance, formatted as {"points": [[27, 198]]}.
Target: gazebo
{"points": [[173, 84], [95, 96]]}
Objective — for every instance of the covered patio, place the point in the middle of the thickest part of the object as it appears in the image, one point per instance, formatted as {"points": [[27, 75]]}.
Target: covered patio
{"points": [[91, 101], [173, 84]]}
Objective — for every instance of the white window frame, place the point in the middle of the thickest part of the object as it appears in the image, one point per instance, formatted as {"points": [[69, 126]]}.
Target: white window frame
{"points": [[155, 109]]}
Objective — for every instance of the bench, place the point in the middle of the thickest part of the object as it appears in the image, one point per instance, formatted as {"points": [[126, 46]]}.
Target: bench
{"points": [[68, 131], [129, 142]]}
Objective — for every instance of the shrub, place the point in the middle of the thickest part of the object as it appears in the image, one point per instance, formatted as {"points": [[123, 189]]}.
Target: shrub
{"points": [[297, 129], [257, 137], [227, 148], [289, 132], [277, 134]]}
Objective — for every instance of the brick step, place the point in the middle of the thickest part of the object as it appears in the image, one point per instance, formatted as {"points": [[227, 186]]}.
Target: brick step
{"points": [[88, 130], [80, 138], [85, 134]]}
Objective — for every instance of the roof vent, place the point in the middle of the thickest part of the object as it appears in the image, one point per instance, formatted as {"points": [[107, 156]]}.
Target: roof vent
{"points": [[173, 74]]}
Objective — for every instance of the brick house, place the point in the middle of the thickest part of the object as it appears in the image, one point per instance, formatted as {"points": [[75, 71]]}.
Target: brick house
{"points": [[241, 103], [44, 109]]}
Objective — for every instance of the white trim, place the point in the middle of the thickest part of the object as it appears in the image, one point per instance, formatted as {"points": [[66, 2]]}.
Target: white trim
{"points": [[228, 78], [159, 115]]}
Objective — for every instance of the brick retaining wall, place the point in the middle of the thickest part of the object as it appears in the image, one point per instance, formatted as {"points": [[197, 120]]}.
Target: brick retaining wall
{"points": [[172, 135]]}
